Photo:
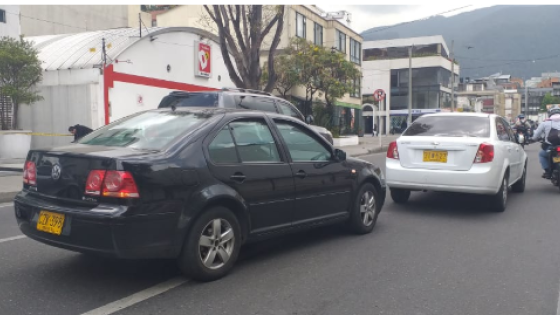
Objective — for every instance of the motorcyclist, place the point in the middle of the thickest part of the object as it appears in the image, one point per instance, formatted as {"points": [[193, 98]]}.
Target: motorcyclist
{"points": [[523, 125], [544, 129]]}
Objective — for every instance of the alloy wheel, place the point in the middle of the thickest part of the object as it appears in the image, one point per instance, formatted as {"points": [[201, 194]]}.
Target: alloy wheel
{"points": [[367, 208], [216, 243]]}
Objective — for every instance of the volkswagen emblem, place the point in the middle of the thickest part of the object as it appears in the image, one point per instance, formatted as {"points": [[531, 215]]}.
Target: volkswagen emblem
{"points": [[56, 171]]}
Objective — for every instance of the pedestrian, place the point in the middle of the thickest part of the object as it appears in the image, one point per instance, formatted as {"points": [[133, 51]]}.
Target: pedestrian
{"points": [[374, 130], [79, 131]]}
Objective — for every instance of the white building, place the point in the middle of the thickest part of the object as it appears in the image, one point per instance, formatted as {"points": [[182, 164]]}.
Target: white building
{"points": [[139, 73], [9, 20], [385, 67]]}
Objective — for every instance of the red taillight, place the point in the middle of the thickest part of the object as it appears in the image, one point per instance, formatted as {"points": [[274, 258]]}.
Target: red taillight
{"points": [[485, 153], [120, 185], [393, 151], [30, 173], [116, 184], [94, 182], [558, 149]]}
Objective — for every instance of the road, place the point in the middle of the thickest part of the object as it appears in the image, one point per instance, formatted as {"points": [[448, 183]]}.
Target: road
{"points": [[440, 254]]}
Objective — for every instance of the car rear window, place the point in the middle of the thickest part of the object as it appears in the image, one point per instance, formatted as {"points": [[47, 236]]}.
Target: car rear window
{"points": [[151, 130], [190, 100], [450, 126]]}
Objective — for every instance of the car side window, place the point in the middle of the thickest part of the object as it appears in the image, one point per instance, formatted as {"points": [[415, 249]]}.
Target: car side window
{"points": [[501, 131], [288, 110], [302, 146], [255, 103], [222, 148], [509, 131], [254, 142]]}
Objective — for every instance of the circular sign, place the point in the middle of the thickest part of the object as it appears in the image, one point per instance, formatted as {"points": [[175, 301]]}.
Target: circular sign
{"points": [[378, 95]]}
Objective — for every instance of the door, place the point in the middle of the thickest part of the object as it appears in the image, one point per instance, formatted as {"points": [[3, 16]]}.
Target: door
{"points": [[507, 147], [245, 156], [323, 185], [516, 154]]}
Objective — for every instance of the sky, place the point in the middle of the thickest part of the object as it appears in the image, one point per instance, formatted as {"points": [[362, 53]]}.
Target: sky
{"points": [[367, 16]]}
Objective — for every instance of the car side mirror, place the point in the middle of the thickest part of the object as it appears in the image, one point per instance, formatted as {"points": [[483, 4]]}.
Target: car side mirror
{"points": [[309, 119], [339, 155]]}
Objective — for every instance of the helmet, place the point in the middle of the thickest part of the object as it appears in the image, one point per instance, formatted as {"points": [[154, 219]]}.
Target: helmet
{"points": [[521, 116], [554, 110]]}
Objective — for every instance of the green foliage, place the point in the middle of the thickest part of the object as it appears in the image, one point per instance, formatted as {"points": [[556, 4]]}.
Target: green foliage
{"points": [[20, 72], [549, 99], [319, 70]]}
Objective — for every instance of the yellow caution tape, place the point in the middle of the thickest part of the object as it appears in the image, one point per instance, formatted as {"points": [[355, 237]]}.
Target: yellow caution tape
{"points": [[42, 134]]}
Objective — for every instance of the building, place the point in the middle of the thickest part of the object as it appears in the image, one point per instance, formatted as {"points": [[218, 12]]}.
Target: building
{"points": [[140, 71], [9, 21], [36, 20], [331, 30], [536, 96], [386, 66]]}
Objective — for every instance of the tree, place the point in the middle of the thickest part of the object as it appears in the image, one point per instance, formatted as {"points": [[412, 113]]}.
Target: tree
{"points": [[242, 30], [20, 72], [549, 99]]}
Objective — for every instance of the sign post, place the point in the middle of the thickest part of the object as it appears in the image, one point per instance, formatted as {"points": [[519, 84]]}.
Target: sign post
{"points": [[379, 96]]}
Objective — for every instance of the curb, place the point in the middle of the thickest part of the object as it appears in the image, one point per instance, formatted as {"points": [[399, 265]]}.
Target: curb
{"points": [[381, 149], [6, 197], [11, 169]]}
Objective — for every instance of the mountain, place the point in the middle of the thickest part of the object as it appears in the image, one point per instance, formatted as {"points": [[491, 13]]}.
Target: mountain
{"points": [[519, 40]]}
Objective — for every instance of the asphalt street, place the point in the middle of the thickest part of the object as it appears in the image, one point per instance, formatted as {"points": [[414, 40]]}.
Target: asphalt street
{"points": [[439, 254]]}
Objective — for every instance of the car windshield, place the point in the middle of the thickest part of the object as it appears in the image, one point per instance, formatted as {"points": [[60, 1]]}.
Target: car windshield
{"points": [[190, 100], [450, 126], [151, 130]]}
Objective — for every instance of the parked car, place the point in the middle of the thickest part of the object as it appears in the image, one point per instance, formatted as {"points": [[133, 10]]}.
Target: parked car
{"points": [[457, 152], [242, 99], [193, 184]]}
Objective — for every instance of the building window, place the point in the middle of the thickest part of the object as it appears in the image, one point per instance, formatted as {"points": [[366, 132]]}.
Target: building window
{"points": [[318, 35], [340, 41], [356, 87], [2, 16], [300, 25], [355, 51], [154, 23]]}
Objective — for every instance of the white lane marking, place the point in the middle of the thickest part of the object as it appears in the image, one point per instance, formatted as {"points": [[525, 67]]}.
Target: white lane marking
{"points": [[4, 205], [137, 297], [13, 238]]}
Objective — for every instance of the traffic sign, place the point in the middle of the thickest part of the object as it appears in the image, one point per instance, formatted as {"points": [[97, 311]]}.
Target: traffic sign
{"points": [[379, 95]]}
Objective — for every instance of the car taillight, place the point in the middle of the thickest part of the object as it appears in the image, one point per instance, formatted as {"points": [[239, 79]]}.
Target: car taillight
{"points": [[558, 149], [30, 173], [117, 184], [485, 153], [120, 185], [393, 151]]}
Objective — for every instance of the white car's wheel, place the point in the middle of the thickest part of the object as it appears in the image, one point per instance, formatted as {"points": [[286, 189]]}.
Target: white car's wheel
{"points": [[519, 186], [499, 200]]}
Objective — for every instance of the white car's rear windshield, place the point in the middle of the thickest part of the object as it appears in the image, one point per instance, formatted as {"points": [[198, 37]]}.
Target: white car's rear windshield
{"points": [[450, 126]]}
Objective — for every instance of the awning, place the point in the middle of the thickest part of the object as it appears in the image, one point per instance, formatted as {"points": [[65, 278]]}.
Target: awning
{"points": [[348, 105]]}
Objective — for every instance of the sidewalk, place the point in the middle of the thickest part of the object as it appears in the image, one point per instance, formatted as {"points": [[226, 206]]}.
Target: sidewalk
{"points": [[11, 165], [10, 185], [369, 145]]}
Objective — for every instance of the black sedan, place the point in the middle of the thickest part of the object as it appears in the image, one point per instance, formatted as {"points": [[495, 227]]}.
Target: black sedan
{"points": [[193, 184]]}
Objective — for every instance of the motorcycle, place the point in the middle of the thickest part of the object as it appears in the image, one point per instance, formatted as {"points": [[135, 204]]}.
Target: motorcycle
{"points": [[523, 136], [554, 158]]}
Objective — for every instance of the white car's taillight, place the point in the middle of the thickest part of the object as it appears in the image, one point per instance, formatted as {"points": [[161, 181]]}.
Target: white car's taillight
{"points": [[393, 151], [485, 153]]}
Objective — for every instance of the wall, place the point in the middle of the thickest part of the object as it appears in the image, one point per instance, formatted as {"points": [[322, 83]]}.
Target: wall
{"points": [[133, 11], [12, 25], [173, 49], [72, 18]]}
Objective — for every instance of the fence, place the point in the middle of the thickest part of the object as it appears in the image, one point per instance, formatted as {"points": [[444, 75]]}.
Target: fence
{"points": [[6, 113]]}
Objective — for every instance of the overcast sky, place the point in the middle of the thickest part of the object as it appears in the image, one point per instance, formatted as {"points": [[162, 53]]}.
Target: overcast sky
{"points": [[368, 16]]}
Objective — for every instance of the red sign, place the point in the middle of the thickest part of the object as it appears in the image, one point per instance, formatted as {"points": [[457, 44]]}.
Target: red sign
{"points": [[379, 95], [203, 54]]}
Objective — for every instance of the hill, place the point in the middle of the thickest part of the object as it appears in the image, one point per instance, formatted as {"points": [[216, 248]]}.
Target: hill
{"points": [[519, 40]]}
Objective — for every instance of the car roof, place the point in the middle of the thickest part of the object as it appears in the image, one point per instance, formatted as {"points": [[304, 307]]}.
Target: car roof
{"points": [[468, 114], [231, 92], [229, 112]]}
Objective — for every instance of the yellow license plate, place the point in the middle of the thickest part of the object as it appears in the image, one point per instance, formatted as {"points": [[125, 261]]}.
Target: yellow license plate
{"points": [[50, 222], [435, 156], [556, 159]]}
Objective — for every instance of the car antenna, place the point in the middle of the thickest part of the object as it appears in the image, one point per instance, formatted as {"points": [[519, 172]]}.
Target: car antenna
{"points": [[173, 108]]}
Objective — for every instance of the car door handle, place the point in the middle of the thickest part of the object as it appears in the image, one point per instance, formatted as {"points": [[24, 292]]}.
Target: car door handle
{"points": [[238, 177], [301, 174]]}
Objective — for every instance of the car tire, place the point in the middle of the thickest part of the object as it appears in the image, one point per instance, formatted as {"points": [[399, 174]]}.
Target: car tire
{"points": [[216, 257], [519, 186], [499, 200], [400, 196], [365, 210]]}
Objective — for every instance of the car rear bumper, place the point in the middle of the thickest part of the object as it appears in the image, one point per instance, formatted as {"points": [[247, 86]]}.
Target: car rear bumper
{"points": [[112, 233], [482, 179]]}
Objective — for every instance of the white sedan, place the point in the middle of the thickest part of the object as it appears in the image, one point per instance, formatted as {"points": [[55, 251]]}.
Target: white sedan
{"points": [[457, 152]]}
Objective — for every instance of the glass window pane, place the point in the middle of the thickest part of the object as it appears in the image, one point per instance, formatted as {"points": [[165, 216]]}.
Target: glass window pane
{"points": [[302, 146], [450, 126], [255, 103], [254, 142], [222, 148], [288, 110]]}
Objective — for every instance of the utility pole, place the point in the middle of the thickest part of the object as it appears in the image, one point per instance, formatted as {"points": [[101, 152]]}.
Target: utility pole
{"points": [[140, 23], [527, 100], [103, 52], [452, 78], [409, 119]]}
